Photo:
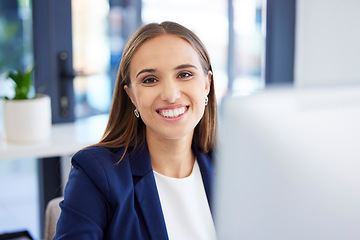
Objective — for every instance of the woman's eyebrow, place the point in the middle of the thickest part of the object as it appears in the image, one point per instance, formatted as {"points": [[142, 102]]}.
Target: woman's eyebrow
{"points": [[150, 70], [182, 66]]}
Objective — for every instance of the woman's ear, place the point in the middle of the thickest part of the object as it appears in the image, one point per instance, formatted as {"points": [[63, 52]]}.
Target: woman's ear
{"points": [[130, 94], [208, 82]]}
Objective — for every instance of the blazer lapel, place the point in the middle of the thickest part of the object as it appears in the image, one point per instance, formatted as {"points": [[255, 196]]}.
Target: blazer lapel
{"points": [[146, 193], [207, 173]]}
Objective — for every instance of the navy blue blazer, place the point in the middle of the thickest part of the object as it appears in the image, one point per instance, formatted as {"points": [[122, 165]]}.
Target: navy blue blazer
{"points": [[108, 201]]}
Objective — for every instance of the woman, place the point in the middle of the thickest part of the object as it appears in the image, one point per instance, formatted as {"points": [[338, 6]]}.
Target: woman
{"points": [[150, 176]]}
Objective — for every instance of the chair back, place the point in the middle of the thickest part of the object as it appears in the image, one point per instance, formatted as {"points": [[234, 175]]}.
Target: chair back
{"points": [[52, 214]]}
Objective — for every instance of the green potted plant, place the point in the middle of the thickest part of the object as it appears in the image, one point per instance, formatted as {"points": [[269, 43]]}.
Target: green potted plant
{"points": [[26, 118], [22, 83]]}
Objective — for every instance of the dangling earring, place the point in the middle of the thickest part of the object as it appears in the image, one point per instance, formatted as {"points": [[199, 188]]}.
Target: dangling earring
{"points": [[136, 113], [206, 100]]}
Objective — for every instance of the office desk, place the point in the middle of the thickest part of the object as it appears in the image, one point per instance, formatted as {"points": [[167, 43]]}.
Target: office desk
{"points": [[65, 140]]}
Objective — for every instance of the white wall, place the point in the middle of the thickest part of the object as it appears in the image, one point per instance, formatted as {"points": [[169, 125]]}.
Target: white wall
{"points": [[327, 47]]}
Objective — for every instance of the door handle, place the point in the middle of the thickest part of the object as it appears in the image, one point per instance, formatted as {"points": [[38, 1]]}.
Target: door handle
{"points": [[67, 73], [66, 76]]}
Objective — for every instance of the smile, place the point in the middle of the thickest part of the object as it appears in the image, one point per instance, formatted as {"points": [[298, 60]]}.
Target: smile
{"points": [[172, 113]]}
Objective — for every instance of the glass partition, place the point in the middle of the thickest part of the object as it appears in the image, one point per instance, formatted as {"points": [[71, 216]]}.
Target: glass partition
{"points": [[19, 207], [91, 57], [249, 45], [16, 48]]}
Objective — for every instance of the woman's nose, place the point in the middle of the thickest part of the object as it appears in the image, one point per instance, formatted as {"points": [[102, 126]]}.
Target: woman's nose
{"points": [[170, 91]]}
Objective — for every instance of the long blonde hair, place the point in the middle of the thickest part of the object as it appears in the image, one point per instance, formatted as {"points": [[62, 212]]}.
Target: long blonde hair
{"points": [[123, 128]]}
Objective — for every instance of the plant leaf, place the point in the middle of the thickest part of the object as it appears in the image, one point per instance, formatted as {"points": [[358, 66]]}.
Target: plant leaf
{"points": [[15, 76], [23, 82]]}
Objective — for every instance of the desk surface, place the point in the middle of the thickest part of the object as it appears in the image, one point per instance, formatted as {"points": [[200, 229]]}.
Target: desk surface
{"points": [[66, 139]]}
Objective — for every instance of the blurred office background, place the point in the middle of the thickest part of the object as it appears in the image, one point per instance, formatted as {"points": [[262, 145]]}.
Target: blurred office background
{"points": [[77, 45], [98, 32]]}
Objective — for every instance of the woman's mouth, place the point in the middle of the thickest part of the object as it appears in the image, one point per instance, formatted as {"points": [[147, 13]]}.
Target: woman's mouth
{"points": [[173, 112]]}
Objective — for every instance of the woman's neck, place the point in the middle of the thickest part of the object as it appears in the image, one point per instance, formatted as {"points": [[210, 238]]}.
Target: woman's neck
{"points": [[171, 157]]}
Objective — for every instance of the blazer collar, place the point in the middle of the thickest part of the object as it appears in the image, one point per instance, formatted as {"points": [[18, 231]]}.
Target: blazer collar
{"points": [[206, 168], [146, 193], [146, 190], [141, 165]]}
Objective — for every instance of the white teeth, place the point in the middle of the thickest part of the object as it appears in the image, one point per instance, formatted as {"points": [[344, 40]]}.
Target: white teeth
{"points": [[172, 113]]}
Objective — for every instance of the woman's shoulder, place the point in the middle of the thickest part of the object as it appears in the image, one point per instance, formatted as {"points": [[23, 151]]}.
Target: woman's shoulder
{"points": [[102, 165], [95, 155], [98, 150]]}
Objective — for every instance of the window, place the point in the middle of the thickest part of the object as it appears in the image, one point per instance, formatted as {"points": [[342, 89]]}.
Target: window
{"points": [[15, 40], [91, 57], [249, 45], [19, 208]]}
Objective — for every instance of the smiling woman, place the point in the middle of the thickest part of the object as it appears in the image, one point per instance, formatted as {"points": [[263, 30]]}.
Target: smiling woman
{"points": [[172, 82], [150, 177]]}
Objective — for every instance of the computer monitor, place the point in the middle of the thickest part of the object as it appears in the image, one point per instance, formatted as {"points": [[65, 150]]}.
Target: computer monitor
{"points": [[288, 165]]}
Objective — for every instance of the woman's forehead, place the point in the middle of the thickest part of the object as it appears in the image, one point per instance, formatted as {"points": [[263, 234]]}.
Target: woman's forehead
{"points": [[166, 43], [166, 50]]}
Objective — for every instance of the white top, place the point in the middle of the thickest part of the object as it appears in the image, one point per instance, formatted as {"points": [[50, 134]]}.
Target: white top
{"points": [[185, 206]]}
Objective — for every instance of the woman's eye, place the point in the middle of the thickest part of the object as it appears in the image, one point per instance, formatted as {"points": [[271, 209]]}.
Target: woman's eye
{"points": [[149, 80], [185, 75]]}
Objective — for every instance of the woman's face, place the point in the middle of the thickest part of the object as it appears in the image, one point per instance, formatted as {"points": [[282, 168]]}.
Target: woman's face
{"points": [[168, 87]]}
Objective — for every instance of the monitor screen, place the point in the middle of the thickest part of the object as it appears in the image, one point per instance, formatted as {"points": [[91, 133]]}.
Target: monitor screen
{"points": [[288, 165]]}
